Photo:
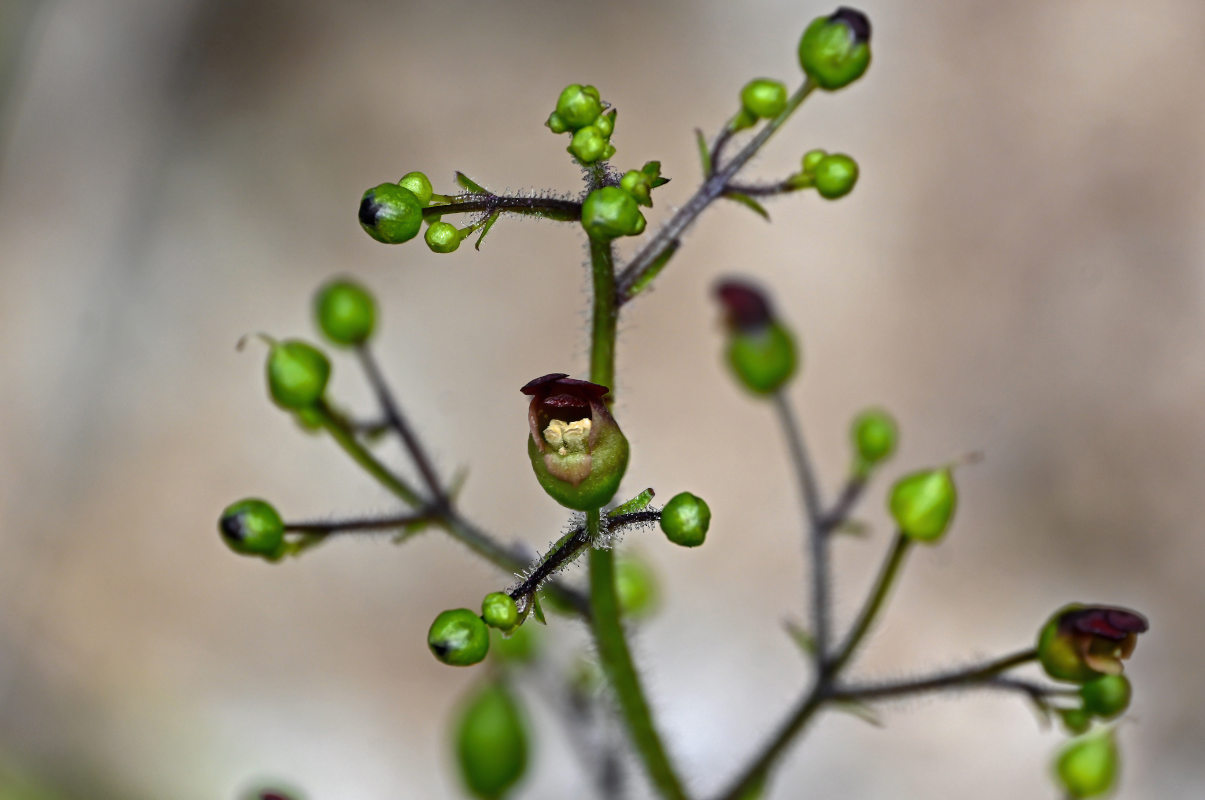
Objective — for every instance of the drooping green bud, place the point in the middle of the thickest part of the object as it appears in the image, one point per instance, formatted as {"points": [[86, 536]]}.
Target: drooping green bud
{"points": [[297, 374], [635, 587], [685, 520], [590, 145], [761, 351], [420, 185], [874, 435], [346, 312], [1087, 766], [1107, 696], [764, 98], [443, 237], [835, 175], [390, 213], [578, 452], [577, 107], [459, 637], [252, 527], [1081, 643], [923, 503], [491, 742], [835, 50], [611, 212], [499, 610]]}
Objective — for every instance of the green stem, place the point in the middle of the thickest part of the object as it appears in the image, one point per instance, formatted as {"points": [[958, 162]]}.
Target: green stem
{"points": [[606, 625], [887, 576], [543, 207]]}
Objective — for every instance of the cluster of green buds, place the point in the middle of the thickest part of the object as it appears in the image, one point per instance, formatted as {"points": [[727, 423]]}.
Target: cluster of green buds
{"points": [[491, 741], [835, 50], [832, 175], [614, 211], [577, 450], [922, 503], [580, 112], [392, 213], [761, 351]]}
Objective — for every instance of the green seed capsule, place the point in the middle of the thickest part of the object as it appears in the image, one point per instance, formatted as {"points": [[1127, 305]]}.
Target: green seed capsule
{"points": [[611, 212], [459, 637], [1087, 767], [443, 237], [1106, 697], [346, 312], [588, 145], [835, 50], [491, 742], [685, 520], [578, 106], [252, 527], [499, 611], [297, 374], [923, 503], [635, 587], [835, 176], [763, 360], [874, 436], [390, 213], [764, 98], [420, 185]]}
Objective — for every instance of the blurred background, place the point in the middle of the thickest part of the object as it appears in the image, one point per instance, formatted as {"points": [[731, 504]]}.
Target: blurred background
{"points": [[1019, 272]]}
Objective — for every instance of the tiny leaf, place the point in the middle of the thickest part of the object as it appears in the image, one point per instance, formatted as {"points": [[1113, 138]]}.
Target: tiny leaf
{"points": [[704, 153], [470, 184], [749, 203], [859, 710], [802, 637], [853, 527], [637, 503], [489, 223], [536, 610]]}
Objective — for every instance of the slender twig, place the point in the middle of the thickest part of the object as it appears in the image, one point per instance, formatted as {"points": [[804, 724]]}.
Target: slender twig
{"points": [[327, 528], [631, 275], [762, 189], [844, 506], [874, 602], [816, 539], [393, 415], [545, 207], [717, 149], [979, 674]]}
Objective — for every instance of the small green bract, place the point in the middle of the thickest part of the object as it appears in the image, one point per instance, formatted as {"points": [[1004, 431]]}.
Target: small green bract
{"points": [[252, 527], [685, 520], [297, 374], [346, 312], [390, 213], [459, 637]]}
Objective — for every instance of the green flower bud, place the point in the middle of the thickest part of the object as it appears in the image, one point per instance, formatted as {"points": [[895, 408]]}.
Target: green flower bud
{"points": [[1087, 767], [1106, 697], [590, 145], [764, 98], [640, 183], [491, 742], [556, 124], [578, 106], [923, 503], [578, 452], [835, 176], [346, 312], [459, 637], [390, 213], [297, 374], [1081, 643], [519, 645], [611, 212], [874, 435], [685, 520], [252, 527], [1075, 720], [499, 611], [811, 159], [635, 587], [761, 351], [835, 50], [420, 185], [606, 124], [443, 237]]}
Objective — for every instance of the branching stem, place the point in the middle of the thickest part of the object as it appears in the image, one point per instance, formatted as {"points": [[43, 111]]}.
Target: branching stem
{"points": [[544, 207]]}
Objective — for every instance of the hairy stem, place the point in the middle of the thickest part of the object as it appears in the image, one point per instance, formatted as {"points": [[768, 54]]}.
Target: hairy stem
{"points": [[882, 586], [544, 207], [841, 509], [816, 534], [632, 275], [331, 527], [973, 675]]}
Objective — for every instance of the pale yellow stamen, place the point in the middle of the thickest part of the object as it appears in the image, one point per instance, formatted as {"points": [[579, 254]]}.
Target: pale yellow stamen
{"points": [[568, 437]]}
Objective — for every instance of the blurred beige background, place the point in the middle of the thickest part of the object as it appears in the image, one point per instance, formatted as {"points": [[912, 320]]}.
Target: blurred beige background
{"points": [[1019, 272]]}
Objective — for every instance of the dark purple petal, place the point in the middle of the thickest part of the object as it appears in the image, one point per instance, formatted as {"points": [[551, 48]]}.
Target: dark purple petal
{"points": [[744, 303], [533, 386], [1114, 624]]}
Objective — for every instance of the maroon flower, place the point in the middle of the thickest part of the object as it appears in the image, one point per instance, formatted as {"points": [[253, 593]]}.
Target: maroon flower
{"points": [[1082, 642]]}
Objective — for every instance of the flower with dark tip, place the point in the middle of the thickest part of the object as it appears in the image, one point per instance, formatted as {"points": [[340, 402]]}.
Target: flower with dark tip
{"points": [[578, 452], [1080, 643], [835, 50], [760, 349]]}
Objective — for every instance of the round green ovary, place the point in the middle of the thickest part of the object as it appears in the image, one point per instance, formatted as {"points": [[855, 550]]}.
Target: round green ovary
{"points": [[763, 360], [297, 374], [346, 312], [923, 504], [608, 460], [685, 520], [458, 637]]}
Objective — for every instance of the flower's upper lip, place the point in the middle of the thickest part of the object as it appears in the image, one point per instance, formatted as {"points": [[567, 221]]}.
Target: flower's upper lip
{"points": [[745, 305], [1110, 623], [561, 383]]}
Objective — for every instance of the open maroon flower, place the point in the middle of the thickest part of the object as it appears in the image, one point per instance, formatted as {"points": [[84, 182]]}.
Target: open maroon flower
{"points": [[1081, 642], [578, 452]]}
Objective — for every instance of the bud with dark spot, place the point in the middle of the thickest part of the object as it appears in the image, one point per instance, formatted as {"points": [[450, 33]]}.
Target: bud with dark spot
{"points": [[835, 50], [458, 637], [577, 450], [761, 351], [1080, 643], [252, 527], [391, 213]]}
